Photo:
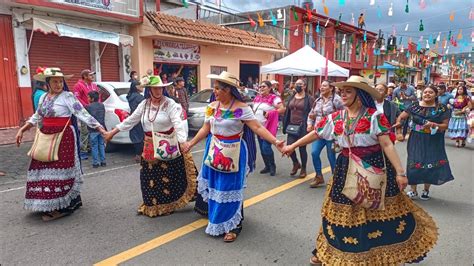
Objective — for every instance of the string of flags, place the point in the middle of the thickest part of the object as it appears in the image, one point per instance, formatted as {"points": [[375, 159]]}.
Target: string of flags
{"points": [[315, 25]]}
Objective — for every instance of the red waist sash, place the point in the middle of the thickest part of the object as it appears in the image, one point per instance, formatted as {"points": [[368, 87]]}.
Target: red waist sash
{"points": [[148, 133], [234, 137], [362, 151], [56, 121]]}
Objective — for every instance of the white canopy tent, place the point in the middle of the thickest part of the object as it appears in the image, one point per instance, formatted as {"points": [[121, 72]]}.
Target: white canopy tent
{"points": [[304, 62]]}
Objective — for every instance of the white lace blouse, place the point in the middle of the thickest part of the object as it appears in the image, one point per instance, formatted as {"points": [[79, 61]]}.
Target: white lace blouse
{"points": [[64, 104], [157, 118], [227, 123]]}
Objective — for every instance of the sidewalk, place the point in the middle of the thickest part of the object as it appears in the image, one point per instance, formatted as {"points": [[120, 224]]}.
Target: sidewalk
{"points": [[7, 136], [14, 161]]}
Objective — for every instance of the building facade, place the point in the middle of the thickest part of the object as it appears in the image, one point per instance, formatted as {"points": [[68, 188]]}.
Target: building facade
{"points": [[72, 35], [194, 49]]}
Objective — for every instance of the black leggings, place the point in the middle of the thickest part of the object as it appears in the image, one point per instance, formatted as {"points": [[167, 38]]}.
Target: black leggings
{"points": [[304, 155]]}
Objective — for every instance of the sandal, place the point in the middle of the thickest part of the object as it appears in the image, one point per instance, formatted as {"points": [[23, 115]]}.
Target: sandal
{"points": [[230, 237], [412, 194], [315, 261], [49, 216]]}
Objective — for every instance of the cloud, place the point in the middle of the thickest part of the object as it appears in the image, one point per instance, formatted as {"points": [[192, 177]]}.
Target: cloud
{"points": [[435, 16]]}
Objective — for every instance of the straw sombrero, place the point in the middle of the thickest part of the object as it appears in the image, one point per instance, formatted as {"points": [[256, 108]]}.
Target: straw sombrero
{"points": [[360, 83], [226, 78], [153, 81], [49, 72]]}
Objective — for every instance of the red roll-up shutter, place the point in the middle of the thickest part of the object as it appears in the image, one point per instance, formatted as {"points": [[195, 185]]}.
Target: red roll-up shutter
{"points": [[109, 62], [72, 55]]}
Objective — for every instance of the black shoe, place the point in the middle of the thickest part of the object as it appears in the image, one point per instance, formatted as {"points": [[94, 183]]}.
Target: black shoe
{"points": [[95, 165], [266, 169], [271, 162], [103, 164]]}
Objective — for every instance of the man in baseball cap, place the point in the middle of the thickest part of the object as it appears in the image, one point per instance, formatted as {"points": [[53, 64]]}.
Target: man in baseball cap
{"points": [[81, 90]]}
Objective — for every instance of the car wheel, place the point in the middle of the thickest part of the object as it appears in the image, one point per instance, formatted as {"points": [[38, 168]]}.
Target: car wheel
{"points": [[111, 147]]}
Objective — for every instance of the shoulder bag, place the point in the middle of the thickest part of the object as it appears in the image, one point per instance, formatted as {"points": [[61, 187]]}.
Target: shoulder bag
{"points": [[223, 157], [365, 184], [165, 146], [46, 146]]}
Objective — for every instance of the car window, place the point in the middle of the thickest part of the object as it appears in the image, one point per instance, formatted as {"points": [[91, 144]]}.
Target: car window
{"points": [[122, 93], [251, 94], [201, 97], [103, 94]]}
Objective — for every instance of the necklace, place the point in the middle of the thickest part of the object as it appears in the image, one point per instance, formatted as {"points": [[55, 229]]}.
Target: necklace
{"points": [[223, 114], [156, 113]]}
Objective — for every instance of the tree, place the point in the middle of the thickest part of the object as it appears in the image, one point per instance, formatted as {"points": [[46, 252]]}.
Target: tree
{"points": [[400, 73]]}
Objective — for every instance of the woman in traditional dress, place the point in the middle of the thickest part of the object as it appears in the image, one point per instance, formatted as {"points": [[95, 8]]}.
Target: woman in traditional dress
{"points": [[267, 107], [351, 234], [54, 187], [458, 128], [294, 124], [427, 162], [327, 103], [167, 176], [229, 155], [134, 98]]}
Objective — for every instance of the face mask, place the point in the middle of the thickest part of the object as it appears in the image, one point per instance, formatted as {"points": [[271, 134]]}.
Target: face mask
{"points": [[298, 88]]}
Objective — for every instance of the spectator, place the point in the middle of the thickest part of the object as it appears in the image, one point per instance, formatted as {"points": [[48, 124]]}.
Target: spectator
{"points": [[96, 110], [81, 91], [390, 87], [420, 85], [136, 134], [388, 108], [134, 77], [249, 83], [405, 95], [443, 95], [176, 74], [275, 87], [40, 89], [180, 93]]}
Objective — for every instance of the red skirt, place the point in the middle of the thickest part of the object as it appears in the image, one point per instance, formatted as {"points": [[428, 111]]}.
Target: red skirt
{"points": [[52, 185]]}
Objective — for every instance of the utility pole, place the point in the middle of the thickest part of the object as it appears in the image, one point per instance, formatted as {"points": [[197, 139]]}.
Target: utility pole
{"points": [[378, 44]]}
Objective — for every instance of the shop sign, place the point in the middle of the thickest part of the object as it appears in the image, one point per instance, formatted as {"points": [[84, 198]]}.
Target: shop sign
{"points": [[175, 52], [130, 8]]}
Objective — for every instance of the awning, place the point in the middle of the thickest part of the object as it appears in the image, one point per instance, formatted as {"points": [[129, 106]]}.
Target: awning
{"points": [[66, 30]]}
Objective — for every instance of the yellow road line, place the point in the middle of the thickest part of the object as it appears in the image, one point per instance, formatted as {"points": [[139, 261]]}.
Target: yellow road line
{"points": [[184, 230]]}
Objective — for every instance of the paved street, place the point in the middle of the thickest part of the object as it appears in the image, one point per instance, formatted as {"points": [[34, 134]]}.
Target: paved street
{"points": [[281, 221]]}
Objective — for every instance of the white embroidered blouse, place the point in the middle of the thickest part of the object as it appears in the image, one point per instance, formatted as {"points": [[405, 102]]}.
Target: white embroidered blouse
{"points": [[263, 104], [157, 118], [227, 123], [372, 124], [64, 104]]}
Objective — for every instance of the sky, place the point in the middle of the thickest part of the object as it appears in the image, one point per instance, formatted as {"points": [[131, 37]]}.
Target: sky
{"points": [[435, 15]]}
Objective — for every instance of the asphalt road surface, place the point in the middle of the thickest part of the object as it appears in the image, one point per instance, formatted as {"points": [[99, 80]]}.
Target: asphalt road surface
{"points": [[282, 216]]}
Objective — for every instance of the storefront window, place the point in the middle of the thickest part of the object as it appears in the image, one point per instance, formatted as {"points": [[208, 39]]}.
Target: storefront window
{"points": [[341, 53], [321, 41]]}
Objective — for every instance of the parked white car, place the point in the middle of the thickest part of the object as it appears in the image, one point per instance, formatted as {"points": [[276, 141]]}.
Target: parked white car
{"points": [[113, 96]]}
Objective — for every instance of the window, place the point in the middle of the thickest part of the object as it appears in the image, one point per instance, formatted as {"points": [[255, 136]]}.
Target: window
{"points": [[359, 49], [217, 70], [308, 37], [321, 41], [342, 51], [103, 93]]}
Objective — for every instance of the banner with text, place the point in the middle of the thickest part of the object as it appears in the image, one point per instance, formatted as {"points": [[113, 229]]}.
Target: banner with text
{"points": [[175, 52]]}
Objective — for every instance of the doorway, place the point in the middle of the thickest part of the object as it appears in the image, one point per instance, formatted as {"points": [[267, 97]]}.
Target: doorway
{"points": [[250, 74]]}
